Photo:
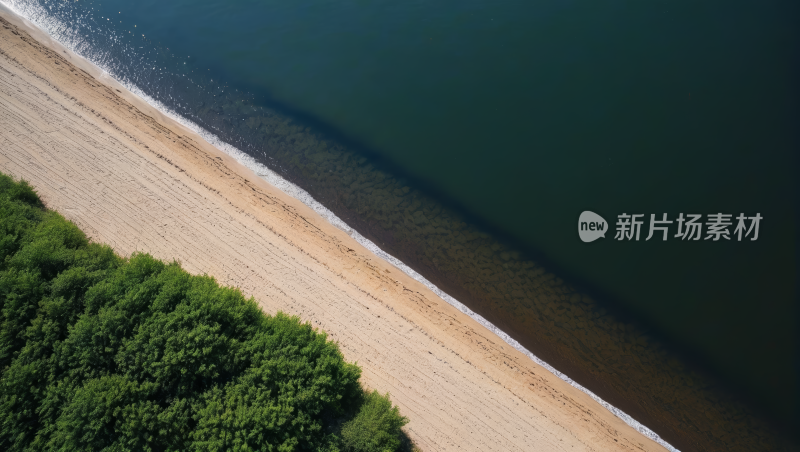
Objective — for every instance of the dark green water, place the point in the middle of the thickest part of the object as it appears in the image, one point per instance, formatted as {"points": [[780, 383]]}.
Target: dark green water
{"points": [[521, 115]]}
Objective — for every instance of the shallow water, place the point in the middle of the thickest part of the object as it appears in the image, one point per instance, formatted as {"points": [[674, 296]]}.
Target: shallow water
{"points": [[427, 125]]}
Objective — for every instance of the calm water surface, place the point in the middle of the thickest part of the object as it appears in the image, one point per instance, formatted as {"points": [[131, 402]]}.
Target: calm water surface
{"points": [[524, 114]]}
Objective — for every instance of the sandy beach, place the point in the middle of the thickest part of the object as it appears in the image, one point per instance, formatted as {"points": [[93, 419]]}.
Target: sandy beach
{"points": [[139, 181]]}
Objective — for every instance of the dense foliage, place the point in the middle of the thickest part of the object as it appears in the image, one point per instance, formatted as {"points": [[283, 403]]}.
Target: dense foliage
{"points": [[98, 352]]}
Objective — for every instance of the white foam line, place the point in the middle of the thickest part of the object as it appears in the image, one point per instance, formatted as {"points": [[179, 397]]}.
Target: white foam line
{"points": [[52, 26]]}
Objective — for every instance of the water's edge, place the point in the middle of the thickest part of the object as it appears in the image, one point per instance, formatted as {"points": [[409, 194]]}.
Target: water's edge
{"points": [[40, 20]]}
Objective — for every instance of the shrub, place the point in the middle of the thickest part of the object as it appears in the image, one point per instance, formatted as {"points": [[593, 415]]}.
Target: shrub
{"points": [[376, 426], [103, 353]]}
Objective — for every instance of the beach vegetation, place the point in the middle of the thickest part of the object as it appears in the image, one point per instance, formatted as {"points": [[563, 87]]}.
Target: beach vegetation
{"points": [[101, 352]]}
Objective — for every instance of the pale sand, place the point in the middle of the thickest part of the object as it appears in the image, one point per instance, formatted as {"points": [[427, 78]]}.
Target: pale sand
{"points": [[137, 180]]}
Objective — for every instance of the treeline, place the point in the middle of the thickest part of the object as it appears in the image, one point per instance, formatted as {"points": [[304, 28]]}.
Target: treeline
{"points": [[98, 352]]}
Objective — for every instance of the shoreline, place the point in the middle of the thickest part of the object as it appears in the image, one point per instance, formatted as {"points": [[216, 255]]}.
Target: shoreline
{"points": [[303, 196], [205, 172], [573, 366], [616, 360]]}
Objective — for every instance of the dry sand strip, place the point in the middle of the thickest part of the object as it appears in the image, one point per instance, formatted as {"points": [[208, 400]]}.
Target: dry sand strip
{"points": [[134, 179]]}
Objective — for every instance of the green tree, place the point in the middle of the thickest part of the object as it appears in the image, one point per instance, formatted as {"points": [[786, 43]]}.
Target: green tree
{"points": [[375, 428], [98, 352]]}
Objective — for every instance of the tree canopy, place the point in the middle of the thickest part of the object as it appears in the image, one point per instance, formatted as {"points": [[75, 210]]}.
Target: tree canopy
{"points": [[99, 352]]}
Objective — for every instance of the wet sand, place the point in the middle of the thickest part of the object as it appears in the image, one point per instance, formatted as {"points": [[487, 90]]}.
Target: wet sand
{"points": [[135, 179]]}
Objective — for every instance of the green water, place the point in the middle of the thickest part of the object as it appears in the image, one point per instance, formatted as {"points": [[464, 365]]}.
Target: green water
{"points": [[521, 115], [526, 114]]}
